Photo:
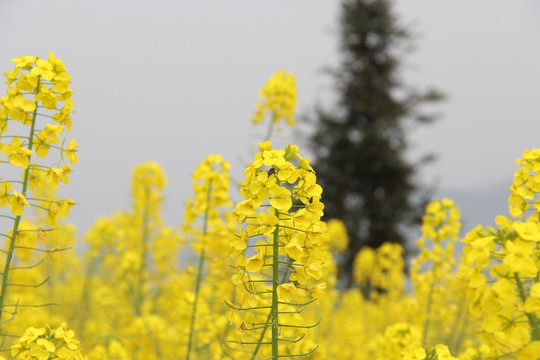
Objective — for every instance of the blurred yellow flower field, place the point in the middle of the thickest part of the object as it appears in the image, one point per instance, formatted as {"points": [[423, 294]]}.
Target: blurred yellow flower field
{"points": [[262, 282]]}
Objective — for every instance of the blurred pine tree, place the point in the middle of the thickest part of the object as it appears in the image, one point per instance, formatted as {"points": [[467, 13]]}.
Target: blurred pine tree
{"points": [[360, 145]]}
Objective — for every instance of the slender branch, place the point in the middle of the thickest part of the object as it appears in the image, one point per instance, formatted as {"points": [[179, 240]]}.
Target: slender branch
{"points": [[533, 321], [9, 255], [29, 285], [199, 273], [275, 283]]}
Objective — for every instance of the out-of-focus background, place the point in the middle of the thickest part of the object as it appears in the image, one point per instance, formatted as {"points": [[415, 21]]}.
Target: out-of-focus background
{"points": [[173, 81]]}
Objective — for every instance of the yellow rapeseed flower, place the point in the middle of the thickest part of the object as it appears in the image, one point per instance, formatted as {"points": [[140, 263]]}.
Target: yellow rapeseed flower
{"points": [[17, 202], [17, 154], [278, 99]]}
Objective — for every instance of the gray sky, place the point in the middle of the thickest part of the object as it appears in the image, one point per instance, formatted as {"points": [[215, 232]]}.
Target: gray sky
{"points": [[173, 81]]}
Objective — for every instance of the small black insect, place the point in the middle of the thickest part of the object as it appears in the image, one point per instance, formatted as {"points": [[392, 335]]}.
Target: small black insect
{"points": [[271, 171]]}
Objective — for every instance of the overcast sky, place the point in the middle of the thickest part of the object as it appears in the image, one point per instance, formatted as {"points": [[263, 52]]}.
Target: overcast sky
{"points": [[173, 81]]}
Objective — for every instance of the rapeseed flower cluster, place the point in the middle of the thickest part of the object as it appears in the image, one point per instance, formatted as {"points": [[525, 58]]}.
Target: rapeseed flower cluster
{"points": [[526, 184], [45, 343], [210, 240], [337, 236], [503, 271], [439, 352], [278, 250], [380, 270], [38, 89], [35, 115], [278, 101], [431, 269]]}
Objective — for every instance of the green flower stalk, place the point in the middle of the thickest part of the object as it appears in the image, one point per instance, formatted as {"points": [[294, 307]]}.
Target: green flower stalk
{"points": [[211, 188], [147, 183], [38, 91], [278, 252]]}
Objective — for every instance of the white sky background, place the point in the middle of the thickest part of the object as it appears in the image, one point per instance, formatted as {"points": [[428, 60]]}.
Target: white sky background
{"points": [[174, 81]]}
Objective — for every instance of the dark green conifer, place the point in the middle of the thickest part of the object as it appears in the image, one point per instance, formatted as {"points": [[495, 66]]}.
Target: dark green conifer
{"points": [[360, 145]]}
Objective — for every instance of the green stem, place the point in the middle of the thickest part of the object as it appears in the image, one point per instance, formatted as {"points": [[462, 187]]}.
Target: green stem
{"points": [[535, 327], [9, 254], [428, 308], [269, 131], [455, 334], [153, 338], [461, 333], [275, 284], [199, 273], [80, 314], [283, 278], [139, 295]]}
